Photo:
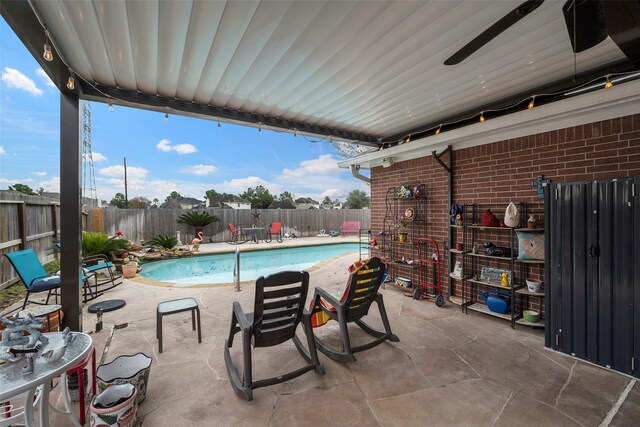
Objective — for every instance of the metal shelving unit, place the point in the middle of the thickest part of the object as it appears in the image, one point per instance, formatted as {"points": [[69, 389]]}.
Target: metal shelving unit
{"points": [[398, 206]]}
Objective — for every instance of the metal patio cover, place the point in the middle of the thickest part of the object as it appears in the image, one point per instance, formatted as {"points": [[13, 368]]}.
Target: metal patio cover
{"points": [[370, 71]]}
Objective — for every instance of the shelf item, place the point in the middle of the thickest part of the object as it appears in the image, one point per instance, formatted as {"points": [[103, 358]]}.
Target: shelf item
{"points": [[525, 322], [455, 300], [525, 291], [490, 284], [530, 261], [484, 309], [498, 258], [455, 251]]}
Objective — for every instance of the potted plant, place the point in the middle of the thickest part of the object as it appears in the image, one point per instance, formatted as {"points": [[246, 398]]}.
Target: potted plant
{"points": [[199, 220], [402, 231]]}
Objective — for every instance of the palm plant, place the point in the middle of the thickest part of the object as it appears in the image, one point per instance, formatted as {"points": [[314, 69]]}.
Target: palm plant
{"points": [[100, 243], [197, 219], [166, 242]]}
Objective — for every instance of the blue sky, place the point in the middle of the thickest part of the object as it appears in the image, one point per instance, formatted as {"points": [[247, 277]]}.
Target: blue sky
{"points": [[182, 154]]}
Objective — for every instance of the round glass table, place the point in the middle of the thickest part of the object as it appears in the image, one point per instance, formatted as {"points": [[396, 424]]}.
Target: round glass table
{"points": [[13, 383]]}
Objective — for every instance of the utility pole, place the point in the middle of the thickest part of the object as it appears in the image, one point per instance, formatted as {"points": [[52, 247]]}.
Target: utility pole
{"points": [[126, 195]]}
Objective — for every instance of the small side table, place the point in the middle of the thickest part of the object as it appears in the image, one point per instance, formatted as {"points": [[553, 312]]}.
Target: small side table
{"points": [[177, 306], [51, 312]]}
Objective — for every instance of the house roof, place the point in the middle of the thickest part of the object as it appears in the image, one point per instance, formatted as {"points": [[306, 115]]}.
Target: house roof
{"points": [[178, 202], [230, 198], [307, 200], [366, 71], [282, 204]]}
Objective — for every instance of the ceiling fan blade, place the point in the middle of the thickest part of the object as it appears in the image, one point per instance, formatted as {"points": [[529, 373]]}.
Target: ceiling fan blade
{"points": [[623, 25], [493, 31], [589, 23]]}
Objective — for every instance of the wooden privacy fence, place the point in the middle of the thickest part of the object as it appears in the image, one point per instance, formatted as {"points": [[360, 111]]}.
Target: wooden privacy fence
{"points": [[27, 222], [145, 224]]}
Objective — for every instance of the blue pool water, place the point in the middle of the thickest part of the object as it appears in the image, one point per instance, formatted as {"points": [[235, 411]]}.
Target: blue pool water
{"points": [[208, 269]]}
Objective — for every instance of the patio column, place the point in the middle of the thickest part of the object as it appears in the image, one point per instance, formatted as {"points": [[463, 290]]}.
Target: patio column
{"points": [[70, 210]]}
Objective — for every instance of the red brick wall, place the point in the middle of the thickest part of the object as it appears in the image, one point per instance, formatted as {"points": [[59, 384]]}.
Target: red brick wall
{"points": [[501, 172]]}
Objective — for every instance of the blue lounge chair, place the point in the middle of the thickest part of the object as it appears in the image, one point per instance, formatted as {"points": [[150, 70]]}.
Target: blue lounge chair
{"points": [[36, 279]]}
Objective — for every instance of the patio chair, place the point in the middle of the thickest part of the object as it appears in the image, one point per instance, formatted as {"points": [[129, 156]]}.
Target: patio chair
{"points": [[36, 279], [276, 315], [362, 290], [97, 263], [274, 230], [237, 236]]}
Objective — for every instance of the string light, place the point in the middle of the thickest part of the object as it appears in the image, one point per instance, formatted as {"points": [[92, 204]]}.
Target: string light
{"points": [[408, 139], [260, 127], [482, 117], [166, 117], [438, 130], [532, 103], [71, 82], [295, 132], [218, 121], [111, 105], [48, 55], [609, 83]]}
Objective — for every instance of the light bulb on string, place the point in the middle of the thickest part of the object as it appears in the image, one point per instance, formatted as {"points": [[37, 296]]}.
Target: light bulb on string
{"points": [[71, 82], [47, 54], [532, 103], [408, 139], [482, 117], [295, 133], [110, 105], [218, 121], [166, 117], [609, 83], [438, 130]]}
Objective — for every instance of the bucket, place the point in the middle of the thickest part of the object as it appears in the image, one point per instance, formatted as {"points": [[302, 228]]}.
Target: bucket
{"points": [[115, 406], [126, 370], [72, 385]]}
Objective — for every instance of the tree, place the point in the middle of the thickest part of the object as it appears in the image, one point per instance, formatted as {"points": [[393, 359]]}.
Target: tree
{"points": [[357, 200], [174, 195], [212, 194], [259, 197], [327, 200], [285, 195], [139, 203], [23, 188], [118, 201]]}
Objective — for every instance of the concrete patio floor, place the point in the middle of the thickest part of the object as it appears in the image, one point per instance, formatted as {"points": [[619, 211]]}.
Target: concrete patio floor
{"points": [[448, 369]]}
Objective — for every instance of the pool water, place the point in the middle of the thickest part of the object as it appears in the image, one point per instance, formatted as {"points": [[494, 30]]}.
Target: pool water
{"points": [[212, 269]]}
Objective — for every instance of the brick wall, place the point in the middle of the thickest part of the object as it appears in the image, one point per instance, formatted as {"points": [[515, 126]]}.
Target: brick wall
{"points": [[501, 172]]}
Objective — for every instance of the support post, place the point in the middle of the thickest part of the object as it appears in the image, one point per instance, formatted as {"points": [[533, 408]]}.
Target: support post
{"points": [[449, 169], [70, 210]]}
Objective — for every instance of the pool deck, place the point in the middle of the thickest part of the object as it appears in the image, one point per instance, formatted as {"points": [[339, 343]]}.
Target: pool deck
{"points": [[218, 248], [449, 369]]}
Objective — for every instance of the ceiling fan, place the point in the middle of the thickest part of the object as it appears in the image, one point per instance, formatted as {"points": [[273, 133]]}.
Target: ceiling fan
{"points": [[588, 22]]}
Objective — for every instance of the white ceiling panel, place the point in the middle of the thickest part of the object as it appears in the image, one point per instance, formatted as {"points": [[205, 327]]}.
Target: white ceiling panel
{"points": [[372, 67]]}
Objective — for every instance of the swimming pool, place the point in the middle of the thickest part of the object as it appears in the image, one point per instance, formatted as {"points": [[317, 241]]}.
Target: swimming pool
{"points": [[212, 269]]}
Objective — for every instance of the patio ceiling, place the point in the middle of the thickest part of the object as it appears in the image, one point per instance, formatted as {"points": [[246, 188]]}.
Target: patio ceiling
{"points": [[364, 71]]}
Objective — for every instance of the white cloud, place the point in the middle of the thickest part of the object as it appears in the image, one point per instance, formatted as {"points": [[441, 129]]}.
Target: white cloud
{"points": [[165, 145], [16, 80], [117, 171], [39, 173], [12, 181], [2, 150], [323, 165], [45, 78], [51, 185], [97, 157], [239, 185], [201, 169]]}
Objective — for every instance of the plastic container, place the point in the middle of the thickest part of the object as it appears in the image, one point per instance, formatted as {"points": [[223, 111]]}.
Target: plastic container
{"points": [[533, 286], [497, 301], [531, 315]]}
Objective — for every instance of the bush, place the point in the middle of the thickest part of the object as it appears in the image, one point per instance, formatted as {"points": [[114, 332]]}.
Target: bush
{"points": [[197, 219], [100, 243], [166, 242]]}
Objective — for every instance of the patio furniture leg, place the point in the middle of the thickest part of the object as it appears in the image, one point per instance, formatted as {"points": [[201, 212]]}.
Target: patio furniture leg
{"points": [[160, 333], [199, 328], [26, 298], [193, 320]]}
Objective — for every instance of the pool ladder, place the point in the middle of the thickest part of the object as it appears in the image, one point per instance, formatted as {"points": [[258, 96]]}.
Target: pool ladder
{"points": [[236, 270]]}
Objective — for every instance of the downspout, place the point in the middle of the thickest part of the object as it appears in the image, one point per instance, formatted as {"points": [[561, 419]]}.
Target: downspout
{"points": [[355, 171]]}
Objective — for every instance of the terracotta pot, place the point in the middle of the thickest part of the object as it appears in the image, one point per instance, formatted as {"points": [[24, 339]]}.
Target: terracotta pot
{"points": [[129, 270]]}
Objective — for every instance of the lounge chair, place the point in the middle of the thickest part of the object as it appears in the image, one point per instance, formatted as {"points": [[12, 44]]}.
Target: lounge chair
{"points": [[361, 291], [36, 279], [274, 230], [237, 236], [352, 227], [276, 315]]}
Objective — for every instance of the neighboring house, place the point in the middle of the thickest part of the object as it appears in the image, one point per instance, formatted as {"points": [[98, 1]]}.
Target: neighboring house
{"points": [[227, 201], [182, 203], [331, 205], [282, 204], [307, 203]]}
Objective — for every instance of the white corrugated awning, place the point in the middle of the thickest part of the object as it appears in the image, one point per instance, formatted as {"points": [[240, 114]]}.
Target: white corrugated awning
{"points": [[374, 68]]}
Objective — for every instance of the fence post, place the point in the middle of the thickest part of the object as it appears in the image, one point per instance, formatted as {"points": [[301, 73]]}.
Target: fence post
{"points": [[54, 221], [22, 225]]}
